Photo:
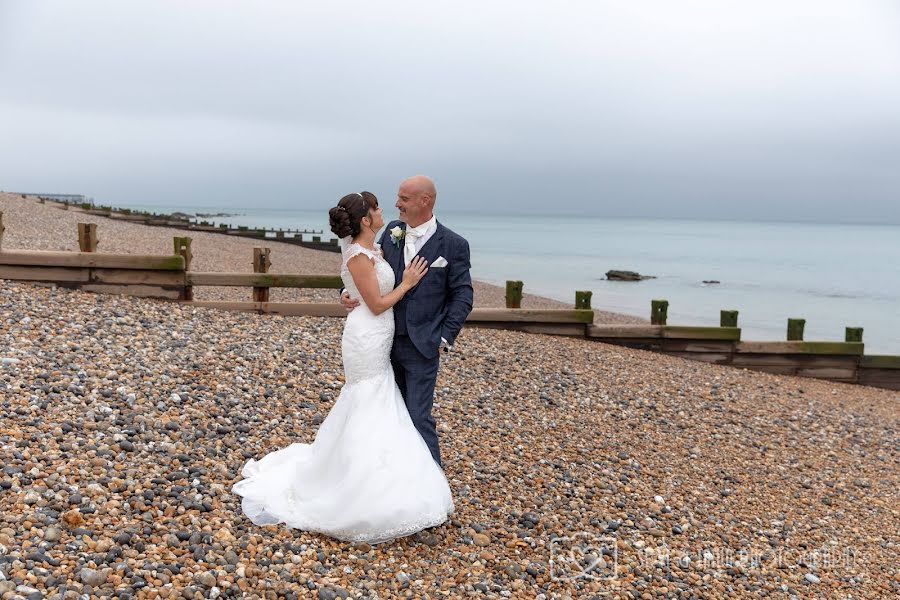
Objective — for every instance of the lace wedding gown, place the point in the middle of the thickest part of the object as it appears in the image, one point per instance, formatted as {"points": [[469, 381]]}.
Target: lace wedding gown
{"points": [[368, 475]]}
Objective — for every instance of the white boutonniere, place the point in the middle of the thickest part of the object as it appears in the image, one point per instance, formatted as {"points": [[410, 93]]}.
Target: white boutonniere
{"points": [[397, 235]]}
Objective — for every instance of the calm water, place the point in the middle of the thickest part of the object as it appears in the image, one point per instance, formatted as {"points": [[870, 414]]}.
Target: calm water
{"points": [[832, 275]]}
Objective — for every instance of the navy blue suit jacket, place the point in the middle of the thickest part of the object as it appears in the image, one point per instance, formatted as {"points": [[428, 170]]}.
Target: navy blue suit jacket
{"points": [[439, 304]]}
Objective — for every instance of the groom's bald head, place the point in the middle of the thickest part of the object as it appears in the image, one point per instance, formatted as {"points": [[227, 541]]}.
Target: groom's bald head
{"points": [[421, 185], [415, 199]]}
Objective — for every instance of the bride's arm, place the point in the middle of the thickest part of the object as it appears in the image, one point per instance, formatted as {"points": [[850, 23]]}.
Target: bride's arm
{"points": [[363, 272]]}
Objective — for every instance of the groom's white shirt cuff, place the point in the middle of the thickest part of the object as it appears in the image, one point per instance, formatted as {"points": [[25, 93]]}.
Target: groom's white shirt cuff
{"points": [[445, 345]]}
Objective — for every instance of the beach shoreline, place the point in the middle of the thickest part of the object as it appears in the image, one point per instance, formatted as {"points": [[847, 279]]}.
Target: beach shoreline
{"points": [[34, 226]]}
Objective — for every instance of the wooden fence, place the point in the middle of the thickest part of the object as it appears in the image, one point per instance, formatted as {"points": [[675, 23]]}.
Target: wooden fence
{"points": [[312, 240], [835, 361], [170, 277]]}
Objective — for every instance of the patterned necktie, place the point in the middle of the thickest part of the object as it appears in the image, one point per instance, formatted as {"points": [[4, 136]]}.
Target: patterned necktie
{"points": [[409, 250]]}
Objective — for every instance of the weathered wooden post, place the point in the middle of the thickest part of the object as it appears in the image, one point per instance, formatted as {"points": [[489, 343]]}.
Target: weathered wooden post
{"points": [[261, 264], [851, 334], [728, 318], [40, 200], [795, 330], [2, 228], [317, 238], [514, 294], [659, 312], [87, 237], [279, 235], [183, 248], [583, 300]]}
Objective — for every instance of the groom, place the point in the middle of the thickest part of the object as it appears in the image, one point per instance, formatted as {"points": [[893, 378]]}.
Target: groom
{"points": [[430, 316]]}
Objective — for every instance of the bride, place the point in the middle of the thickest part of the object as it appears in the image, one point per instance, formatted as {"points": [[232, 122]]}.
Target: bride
{"points": [[368, 476]]}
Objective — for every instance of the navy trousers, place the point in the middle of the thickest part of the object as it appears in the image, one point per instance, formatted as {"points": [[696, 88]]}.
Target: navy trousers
{"points": [[416, 377]]}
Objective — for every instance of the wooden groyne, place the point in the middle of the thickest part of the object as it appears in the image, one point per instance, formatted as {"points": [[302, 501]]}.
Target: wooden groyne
{"points": [[171, 277], [833, 360], [308, 238]]}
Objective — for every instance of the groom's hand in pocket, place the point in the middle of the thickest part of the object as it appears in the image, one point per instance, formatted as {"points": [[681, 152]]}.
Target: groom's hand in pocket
{"points": [[348, 302]]}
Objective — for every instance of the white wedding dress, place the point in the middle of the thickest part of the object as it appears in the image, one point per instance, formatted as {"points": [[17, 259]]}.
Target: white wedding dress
{"points": [[368, 475]]}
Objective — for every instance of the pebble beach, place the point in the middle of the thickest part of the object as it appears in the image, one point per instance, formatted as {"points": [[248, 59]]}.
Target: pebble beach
{"points": [[578, 469]]}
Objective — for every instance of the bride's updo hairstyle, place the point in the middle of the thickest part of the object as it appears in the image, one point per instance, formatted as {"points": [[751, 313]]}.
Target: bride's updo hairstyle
{"points": [[346, 218]]}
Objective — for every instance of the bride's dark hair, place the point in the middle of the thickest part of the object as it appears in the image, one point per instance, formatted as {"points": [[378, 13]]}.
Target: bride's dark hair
{"points": [[346, 218]]}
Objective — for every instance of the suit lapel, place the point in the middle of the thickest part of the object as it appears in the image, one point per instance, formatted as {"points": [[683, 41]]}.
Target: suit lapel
{"points": [[396, 257], [433, 242], [429, 252]]}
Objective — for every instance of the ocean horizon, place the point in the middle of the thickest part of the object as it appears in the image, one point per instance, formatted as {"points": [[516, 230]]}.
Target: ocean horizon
{"points": [[834, 275]]}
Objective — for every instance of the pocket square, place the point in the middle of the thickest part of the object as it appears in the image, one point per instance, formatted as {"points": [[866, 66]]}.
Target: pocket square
{"points": [[439, 262]]}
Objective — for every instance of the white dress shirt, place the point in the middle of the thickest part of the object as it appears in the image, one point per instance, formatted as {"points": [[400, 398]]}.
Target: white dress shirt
{"points": [[422, 234]]}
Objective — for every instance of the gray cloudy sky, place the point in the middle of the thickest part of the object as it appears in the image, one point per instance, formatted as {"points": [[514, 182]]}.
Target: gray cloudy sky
{"points": [[763, 109]]}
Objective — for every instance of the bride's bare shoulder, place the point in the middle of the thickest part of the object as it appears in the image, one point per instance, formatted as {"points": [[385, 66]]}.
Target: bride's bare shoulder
{"points": [[354, 250]]}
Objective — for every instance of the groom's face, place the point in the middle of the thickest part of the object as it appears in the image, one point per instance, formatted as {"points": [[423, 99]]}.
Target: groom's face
{"points": [[412, 204]]}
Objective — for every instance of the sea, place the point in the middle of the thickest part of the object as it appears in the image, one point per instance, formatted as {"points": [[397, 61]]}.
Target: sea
{"points": [[832, 275]]}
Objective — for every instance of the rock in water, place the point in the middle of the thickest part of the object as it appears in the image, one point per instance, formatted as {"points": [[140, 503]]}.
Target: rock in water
{"points": [[615, 275]]}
